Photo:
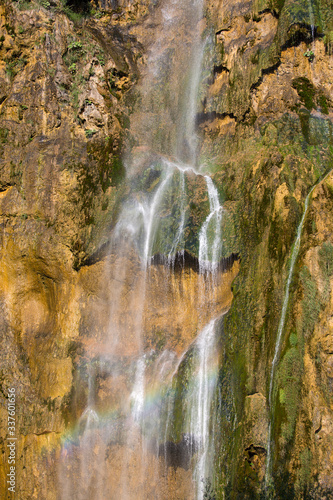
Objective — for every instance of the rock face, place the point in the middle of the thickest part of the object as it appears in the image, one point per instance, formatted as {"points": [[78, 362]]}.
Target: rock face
{"points": [[69, 88]]}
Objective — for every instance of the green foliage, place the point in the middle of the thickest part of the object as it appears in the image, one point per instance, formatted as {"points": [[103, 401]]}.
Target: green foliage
{"points": [[89, 133], [45, 4], [309, 54], [101, 58], [76, 17], [51, 72], [72, 68], [311, 98], [75, 45], [282, 396]]}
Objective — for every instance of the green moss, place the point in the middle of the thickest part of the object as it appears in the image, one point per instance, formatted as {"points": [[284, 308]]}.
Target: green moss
{"points": [[44, 3], [304, 473], [326, 259], [289, 379], [323, 103], [14, 66], [306, 91], [326, 267], [106, 155], [310, 304], [4, 135], [293, 339]]}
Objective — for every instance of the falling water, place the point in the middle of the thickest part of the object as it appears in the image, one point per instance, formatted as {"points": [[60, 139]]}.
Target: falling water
{"points": [[142, 428], [210, 233], [199, 403], [178, 244], [279, 338], [312, 22]]}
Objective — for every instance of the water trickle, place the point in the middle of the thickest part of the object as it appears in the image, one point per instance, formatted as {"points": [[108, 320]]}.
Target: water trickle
{"points": [[312, 22], [279, 337]]}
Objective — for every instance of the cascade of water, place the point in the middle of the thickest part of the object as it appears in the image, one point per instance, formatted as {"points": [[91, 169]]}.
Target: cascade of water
{"points": [[187, 138], [210, 233], [279, 338], [143, 427], [151, 217], [199, 403], [181, 225]]}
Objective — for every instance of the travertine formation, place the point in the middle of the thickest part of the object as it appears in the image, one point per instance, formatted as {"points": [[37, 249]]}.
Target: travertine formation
{"points": [[69, 87]]}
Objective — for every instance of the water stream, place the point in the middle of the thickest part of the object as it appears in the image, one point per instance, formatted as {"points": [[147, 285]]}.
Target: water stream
{"points": [[279, 337], [134, 449]]}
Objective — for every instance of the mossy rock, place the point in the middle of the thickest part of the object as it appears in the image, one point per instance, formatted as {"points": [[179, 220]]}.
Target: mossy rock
{"points": [[306, 91]]}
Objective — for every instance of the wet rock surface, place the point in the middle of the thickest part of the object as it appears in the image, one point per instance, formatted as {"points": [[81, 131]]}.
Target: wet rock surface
{"points": [[69, 89]]}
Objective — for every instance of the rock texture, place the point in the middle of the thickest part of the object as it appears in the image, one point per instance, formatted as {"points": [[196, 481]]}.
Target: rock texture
{"points": [[68, 87]]}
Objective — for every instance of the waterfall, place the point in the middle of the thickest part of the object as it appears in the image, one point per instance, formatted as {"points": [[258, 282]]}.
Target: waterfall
{"points": [[133, 446], [178, 243], [210, 233], [199, 403]]}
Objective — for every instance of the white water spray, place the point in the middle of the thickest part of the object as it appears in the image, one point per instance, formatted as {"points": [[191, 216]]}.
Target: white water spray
{"points": [[210, 234]]}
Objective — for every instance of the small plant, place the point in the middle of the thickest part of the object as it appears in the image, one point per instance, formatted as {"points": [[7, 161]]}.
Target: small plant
{"points": [[89, 133], [45, 4], [20, 30], [74, 45], [72, 68], [309, 54], [101, 59]]}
